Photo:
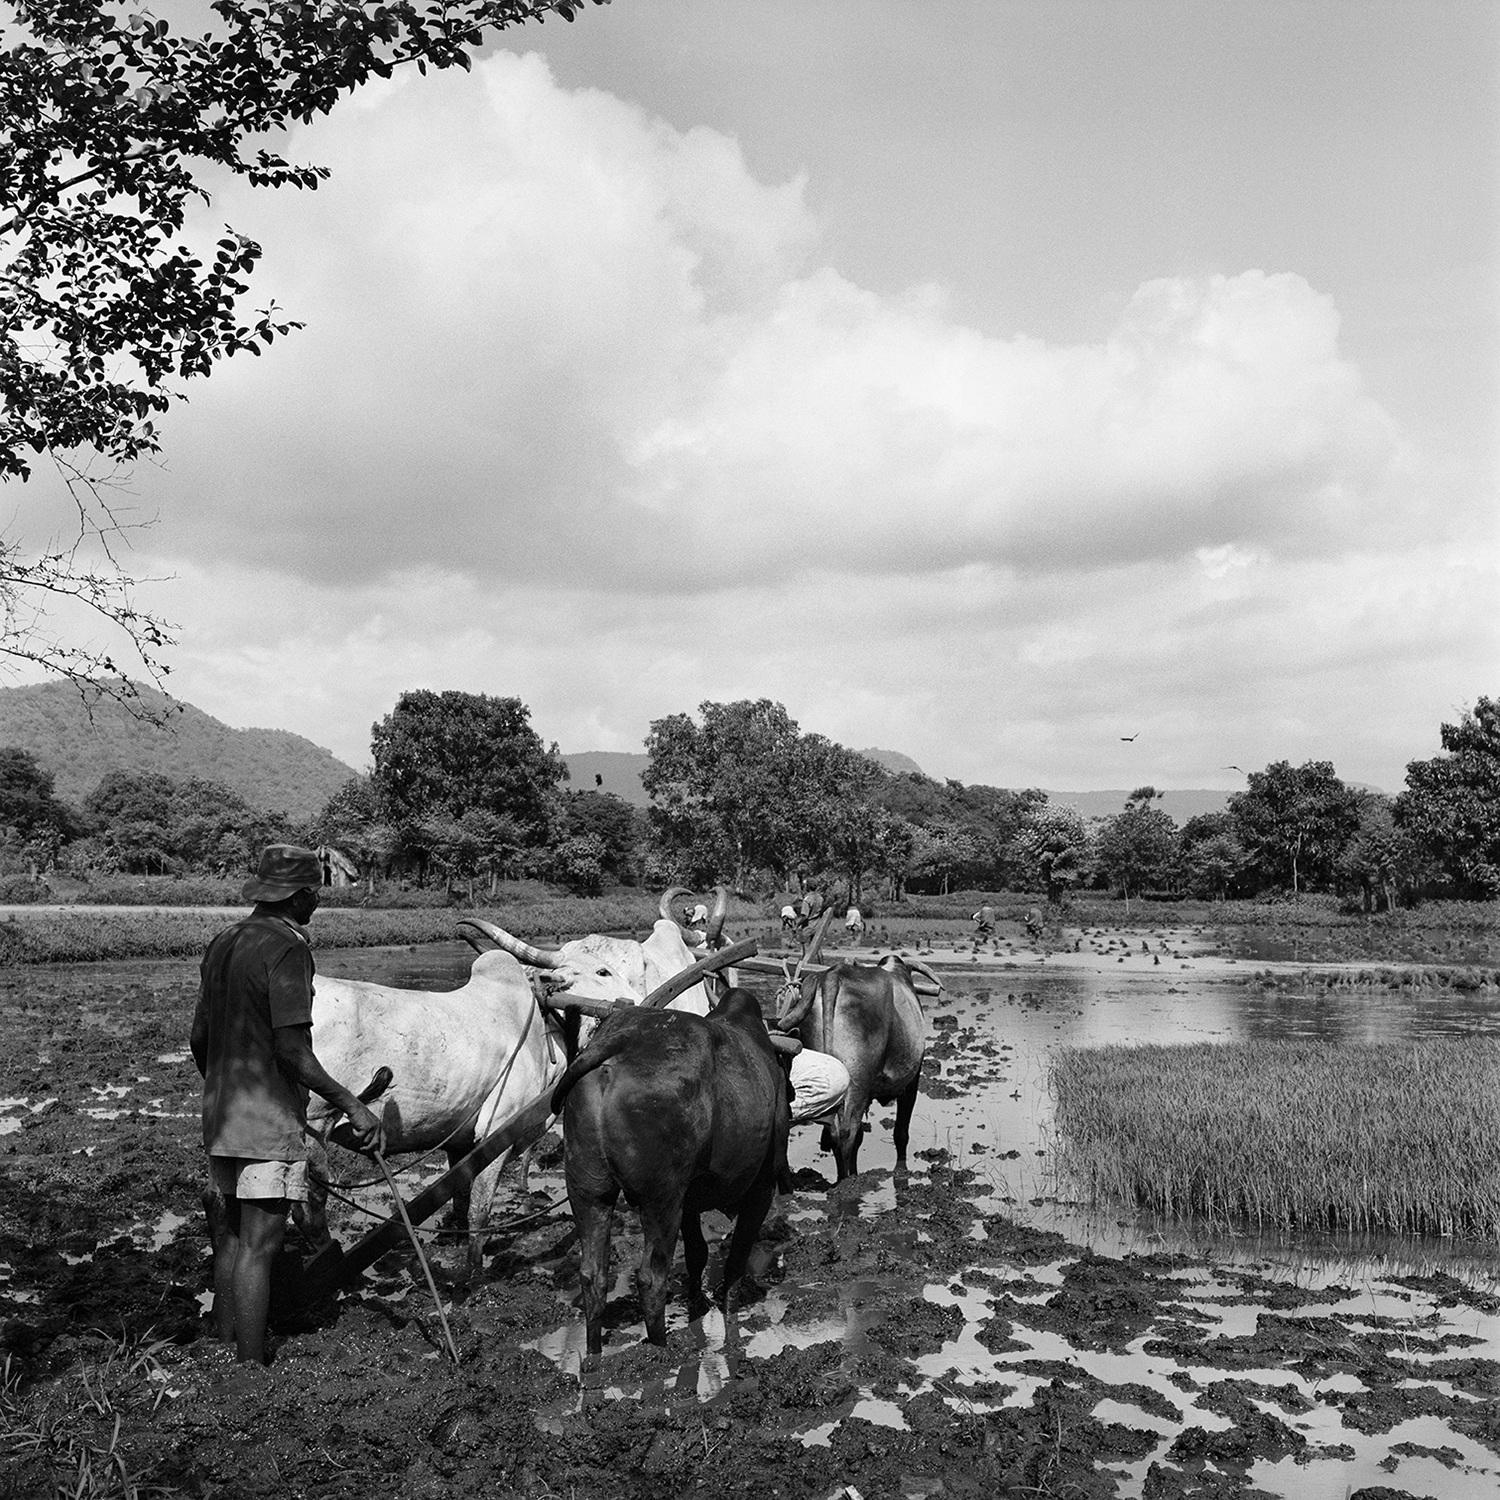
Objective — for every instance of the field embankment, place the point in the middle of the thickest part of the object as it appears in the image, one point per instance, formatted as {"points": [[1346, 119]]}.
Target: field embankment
{"points": [[83, 935], [1390, 1137]]}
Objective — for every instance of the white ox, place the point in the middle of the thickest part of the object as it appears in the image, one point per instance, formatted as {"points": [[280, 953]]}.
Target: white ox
{"points": [[461, 1061]]}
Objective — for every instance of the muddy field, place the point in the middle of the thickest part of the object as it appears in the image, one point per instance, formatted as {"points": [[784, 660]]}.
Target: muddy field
{"points": [[906, 1337]]}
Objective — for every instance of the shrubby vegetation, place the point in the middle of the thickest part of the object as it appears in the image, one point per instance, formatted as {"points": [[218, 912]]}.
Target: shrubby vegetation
{"points": [[465, 799]]}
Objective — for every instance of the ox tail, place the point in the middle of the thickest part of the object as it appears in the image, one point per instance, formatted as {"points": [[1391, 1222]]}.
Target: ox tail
{"points": [[607, 1042]]}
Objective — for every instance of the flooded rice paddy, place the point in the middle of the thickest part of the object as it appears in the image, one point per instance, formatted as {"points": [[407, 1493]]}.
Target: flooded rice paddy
{"points": [[958, 1329]]}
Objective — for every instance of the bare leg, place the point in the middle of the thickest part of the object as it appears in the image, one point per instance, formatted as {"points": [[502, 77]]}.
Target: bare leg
{"points": [[262, 1227], [224, 1232]]}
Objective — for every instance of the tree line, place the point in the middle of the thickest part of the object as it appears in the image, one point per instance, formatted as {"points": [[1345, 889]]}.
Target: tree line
{"points": [[464, 791]]}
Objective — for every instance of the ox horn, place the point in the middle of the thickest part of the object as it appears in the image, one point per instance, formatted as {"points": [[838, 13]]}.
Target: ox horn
{"points": [[477, 941], [714, 933], [664, 906], [538, 958], [921, 968]]}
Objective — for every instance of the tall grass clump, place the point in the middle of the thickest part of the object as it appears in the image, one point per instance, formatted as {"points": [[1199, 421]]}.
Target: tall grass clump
{"points": [[1378, 1137]]}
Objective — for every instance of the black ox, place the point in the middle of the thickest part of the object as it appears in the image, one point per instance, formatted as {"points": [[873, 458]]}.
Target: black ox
{"points": [[869, 1017], [681, 1113]]}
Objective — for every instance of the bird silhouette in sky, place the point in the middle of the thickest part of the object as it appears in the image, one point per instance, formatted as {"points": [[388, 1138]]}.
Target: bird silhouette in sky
{"points": [[1240, 769], [1130, 739]]}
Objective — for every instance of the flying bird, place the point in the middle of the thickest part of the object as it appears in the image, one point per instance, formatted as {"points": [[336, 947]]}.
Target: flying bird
{"points": [[1130, 739], [1240, 769]]}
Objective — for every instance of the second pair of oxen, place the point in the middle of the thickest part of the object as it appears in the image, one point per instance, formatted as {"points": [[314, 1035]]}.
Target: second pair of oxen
{"points": [[869, 1017]]}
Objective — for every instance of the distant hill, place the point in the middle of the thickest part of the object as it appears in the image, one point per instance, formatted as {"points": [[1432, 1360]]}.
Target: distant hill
{"points": [[271, 769], [894, 760], [1177, 804]]}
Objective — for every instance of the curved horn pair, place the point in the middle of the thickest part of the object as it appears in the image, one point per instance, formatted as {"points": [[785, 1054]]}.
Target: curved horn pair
{"points": [[538, 958]]}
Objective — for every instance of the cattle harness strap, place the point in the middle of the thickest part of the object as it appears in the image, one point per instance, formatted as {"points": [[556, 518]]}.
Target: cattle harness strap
{"points": [[457, 1130]]}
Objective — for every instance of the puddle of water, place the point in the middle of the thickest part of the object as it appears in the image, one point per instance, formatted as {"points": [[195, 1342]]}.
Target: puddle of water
{"points": [[1474, 1478], [10, 1125], [174, 1057], [165, 1227]]}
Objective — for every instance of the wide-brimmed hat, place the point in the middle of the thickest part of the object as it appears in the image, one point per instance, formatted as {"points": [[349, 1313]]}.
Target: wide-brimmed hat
{"points": [[284, 870]]}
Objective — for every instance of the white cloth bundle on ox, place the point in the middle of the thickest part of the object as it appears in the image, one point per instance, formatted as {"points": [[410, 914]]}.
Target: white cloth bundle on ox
{"points": [[598, 967]]}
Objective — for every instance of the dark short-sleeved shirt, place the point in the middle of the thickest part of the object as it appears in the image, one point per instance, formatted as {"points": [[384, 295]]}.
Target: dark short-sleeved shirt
{"points": [[255, 976]]}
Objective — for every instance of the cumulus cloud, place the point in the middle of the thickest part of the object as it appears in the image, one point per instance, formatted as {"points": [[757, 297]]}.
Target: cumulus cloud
{"points": [[544, 324], [582, 414]]}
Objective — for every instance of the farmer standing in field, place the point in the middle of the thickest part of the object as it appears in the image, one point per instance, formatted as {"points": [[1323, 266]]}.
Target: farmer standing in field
{"points": [[252, 1042]]}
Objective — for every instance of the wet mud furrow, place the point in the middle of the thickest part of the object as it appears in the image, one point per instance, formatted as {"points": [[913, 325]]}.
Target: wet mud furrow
{"points": [[922, 1334]]}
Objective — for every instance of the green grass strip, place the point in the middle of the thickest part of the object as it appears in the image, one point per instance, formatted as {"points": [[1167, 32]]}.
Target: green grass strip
{"points": [[1377, 1137]]}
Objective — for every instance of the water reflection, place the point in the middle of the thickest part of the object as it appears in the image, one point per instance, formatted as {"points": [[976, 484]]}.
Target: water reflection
{"points": [[986, 1099]]}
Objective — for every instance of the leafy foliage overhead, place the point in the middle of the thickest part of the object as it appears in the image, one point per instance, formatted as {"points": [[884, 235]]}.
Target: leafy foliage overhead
{"points": [[108, 118]]}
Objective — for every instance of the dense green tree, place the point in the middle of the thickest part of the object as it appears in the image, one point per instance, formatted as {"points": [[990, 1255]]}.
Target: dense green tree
{"points": [[28, 803], [578, 861], [147, 823], [1451, 805], [439, 755], [1138, 847], [1380, 860], [1294, 822], [747, 791], [1210, 855], [620, 828], [1056, 849], [990, 818]]}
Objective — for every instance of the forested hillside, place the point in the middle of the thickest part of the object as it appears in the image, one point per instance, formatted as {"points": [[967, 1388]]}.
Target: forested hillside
{"points": [[269, 768]]}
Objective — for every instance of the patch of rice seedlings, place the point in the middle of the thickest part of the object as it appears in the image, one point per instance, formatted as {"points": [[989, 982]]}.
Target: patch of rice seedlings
{"points": [[63, 1440], [1292, 1135]]}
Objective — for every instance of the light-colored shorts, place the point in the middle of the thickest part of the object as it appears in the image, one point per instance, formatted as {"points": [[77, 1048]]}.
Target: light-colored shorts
{"points": [[244, 1177], [819, 1082]]}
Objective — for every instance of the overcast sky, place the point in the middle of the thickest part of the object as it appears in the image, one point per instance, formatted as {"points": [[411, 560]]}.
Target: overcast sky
{"points": [[985, 381]]}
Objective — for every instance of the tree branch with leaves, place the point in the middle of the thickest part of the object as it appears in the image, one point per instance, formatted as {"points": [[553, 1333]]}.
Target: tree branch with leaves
{"points": [[111, 124]]}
